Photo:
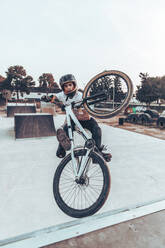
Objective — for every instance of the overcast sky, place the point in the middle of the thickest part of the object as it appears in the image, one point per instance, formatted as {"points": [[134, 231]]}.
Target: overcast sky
{"points": [[83, 37]]}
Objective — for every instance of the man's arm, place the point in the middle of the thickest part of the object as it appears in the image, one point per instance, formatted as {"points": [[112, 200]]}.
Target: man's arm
{"points": [[52, 98], [56, 101]]}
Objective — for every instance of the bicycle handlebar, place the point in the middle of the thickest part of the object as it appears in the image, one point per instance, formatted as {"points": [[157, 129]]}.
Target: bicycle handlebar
{"points": [[98, 100], [102, 94]]}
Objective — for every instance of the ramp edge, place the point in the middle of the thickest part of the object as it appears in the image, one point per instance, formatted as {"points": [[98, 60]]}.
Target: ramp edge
{"points": [[78, 227]]}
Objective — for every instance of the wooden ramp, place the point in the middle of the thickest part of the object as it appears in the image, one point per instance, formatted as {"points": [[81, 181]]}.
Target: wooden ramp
{"points": [[134, 227], [13, 108], [31, 125]]}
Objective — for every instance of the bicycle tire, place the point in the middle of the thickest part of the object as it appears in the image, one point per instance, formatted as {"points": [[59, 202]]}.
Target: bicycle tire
{"points": [[80, 210], [124, 104]]}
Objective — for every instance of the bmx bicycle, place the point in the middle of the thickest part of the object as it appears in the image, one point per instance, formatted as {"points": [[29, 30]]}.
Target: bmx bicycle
{"points": [[82, 180]]}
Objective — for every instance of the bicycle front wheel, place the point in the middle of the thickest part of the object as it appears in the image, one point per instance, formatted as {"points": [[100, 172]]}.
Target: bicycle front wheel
{"points": [[118, 89], [86, 197]]}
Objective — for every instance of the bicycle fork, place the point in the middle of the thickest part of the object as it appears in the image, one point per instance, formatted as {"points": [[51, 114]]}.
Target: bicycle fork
{"points": [[85, 159]]}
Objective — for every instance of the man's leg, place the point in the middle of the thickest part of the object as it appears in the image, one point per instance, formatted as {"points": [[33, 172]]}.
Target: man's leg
{"points": [[60, 153], [64, 142], [94, 128]]}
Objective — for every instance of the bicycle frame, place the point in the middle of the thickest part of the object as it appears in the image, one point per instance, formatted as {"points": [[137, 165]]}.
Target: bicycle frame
{"points": [[71, 116]]}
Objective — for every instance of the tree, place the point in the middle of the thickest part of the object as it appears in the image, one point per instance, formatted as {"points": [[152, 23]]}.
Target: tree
{"points": [[119, 95], [5, 88], [149, 90], [162, 88], [99, 85], [46, 81], [5, 83], [26, 84], [111, 86], [6, 94], [18, 81]]}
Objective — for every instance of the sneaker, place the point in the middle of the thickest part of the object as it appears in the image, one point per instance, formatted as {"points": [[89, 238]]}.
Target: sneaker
{"points": [[63, 139], [106, 156], [60, 152]]}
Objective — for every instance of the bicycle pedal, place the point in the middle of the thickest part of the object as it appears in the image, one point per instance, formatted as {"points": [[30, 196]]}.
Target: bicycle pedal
{"points": [[107, 157], [63, 139]]}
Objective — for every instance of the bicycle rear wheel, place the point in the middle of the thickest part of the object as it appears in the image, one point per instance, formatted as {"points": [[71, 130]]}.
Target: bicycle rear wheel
{"points": [[86, 197], [118, 89]]}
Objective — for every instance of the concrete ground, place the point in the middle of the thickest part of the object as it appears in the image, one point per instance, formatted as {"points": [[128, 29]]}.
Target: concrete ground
{"points": [[28, 165], [144, 232]]}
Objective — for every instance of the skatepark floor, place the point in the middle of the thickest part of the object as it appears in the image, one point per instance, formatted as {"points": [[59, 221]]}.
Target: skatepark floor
{"points": [[28, 165]]}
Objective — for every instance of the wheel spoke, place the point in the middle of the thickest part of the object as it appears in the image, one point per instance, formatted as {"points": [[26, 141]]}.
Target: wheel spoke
{"points": [[81, 196], [86, 195], [117, 88]]}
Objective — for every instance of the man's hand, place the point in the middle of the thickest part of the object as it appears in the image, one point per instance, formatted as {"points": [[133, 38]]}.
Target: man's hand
{"points": [[45, 99]]}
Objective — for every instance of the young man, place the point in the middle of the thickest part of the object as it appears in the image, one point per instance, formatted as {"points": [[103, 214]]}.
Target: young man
{"points": [[71, 94]]}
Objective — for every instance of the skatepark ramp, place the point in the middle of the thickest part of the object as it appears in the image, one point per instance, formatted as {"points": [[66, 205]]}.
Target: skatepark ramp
{"points": [[13, 108], [29, 125], [137, 226]]}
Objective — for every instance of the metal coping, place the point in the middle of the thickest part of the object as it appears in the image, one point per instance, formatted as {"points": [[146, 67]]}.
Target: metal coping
{"points": [[78, 227]]}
